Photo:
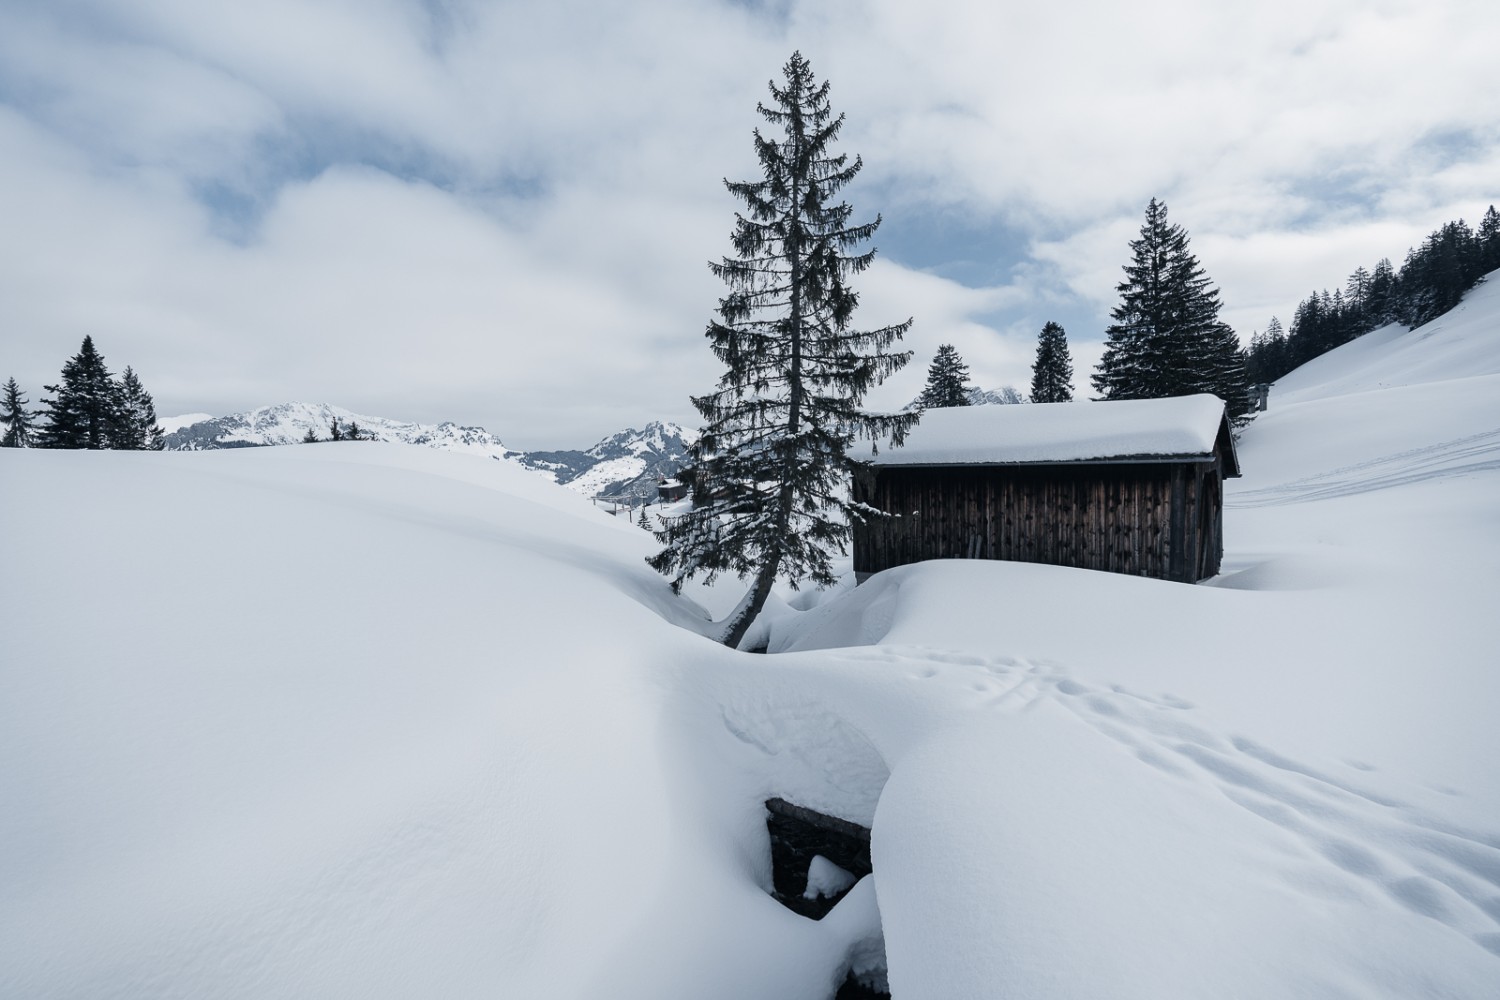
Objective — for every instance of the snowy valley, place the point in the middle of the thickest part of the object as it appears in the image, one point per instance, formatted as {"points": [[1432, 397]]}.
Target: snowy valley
{"points": [[372, 720]]}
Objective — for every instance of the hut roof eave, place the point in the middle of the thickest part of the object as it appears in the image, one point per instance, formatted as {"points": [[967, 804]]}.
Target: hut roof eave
{"points": [[1023, 464], [1177, 429]]}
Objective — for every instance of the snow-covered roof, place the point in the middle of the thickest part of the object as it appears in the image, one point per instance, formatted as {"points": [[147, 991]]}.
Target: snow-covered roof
{"points": [[1177, 429]]}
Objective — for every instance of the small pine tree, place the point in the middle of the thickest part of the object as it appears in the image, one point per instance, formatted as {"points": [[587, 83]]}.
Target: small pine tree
{"points": [[947, 380], [354, 433], [643, 521], [311, 437], [335, 432], [772, 462], [135, 427], [16, 418], [82, 410], [1052, 373]]}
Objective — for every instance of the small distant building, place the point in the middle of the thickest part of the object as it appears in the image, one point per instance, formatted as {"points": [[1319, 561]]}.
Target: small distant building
{"points": [[671, 490], [1126, 486]]}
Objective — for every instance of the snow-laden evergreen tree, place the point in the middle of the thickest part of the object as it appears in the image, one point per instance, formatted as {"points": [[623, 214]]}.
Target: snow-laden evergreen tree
{"points": [[16, 418], [1489, 241], [135, 427], [1052, 372], [311, 437], [1379, 308], [947, 380], [773, 462], [1167, 338], [82, 412]]}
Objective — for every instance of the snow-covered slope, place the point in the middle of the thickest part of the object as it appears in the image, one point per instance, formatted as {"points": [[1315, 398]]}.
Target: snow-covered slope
{"points": [[422, 724], [288, 423]]}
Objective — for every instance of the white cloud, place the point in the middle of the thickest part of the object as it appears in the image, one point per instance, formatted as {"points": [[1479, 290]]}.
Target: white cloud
{"points": [[499, 212]]}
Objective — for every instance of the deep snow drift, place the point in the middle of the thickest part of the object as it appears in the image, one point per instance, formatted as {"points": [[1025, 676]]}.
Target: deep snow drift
{"points": [[369, 720]]}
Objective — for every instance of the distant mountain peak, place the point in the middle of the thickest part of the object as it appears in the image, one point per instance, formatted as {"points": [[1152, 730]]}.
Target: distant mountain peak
{"points": [[288, 423], [624, 466]]}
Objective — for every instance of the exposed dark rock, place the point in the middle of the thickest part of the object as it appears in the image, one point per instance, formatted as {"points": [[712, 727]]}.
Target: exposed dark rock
{"points": [[798, 835]]}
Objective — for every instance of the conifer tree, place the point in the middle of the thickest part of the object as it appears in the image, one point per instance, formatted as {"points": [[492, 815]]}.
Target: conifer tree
{"points": [[1167, 338], [1379, 307], [335, 432], [773, 459], [354, 433], [1052, 372], [83, 409], [1489, 241], [135, 427], [311, 437], [16, 418], [644, 522], [947, 380]]}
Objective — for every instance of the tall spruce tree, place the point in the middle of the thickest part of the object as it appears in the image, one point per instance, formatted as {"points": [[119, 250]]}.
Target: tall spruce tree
{"points": [[773, 459], [1489, 241], [947, 380], [83, 410], [16, 418], [135, 427], [1052, 372], [1167, 338]]}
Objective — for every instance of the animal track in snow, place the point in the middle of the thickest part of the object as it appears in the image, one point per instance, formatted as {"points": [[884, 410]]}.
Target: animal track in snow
{"points": [[1474, 453], [1372, 844]]}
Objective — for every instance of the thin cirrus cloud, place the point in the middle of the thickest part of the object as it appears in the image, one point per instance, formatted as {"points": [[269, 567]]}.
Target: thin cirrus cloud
{"points": [[500, 213]]}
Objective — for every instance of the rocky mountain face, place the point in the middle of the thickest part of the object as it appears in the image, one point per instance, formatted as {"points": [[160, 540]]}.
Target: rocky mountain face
{"points": [[624, 467], [1004, 395]]}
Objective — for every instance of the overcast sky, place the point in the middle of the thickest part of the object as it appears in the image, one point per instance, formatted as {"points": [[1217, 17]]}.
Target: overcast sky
{"points": [[500, 213]]}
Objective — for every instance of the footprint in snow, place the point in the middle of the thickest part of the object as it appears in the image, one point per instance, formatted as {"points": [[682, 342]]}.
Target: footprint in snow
{"points": [[1425, 866]]}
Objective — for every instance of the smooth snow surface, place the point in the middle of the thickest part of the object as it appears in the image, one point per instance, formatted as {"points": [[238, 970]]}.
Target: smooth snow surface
{"points": [[362, 720], [1185, 426]]}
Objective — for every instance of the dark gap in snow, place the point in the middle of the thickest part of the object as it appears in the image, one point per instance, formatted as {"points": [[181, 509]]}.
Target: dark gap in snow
{"points": [[799, 836], [856, 988]]}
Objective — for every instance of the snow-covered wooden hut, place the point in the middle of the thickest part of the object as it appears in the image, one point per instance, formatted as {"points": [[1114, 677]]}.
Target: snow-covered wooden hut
{"points": [[1127, 486]]}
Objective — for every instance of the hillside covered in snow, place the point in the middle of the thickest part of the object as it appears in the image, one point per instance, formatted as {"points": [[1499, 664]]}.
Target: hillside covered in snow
{"points": [[426, 725]]}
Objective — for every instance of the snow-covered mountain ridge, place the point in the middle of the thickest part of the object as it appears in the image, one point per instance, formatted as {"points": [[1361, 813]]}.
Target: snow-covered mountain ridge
{"points": [[289, 423], [624, 466]]}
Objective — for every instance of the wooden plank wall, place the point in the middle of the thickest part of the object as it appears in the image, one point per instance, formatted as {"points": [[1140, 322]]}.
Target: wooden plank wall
{"points": [[1114, 518]]}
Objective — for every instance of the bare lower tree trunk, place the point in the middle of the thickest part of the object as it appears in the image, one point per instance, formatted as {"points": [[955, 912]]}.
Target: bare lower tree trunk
{"points": [[750, 608]]}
